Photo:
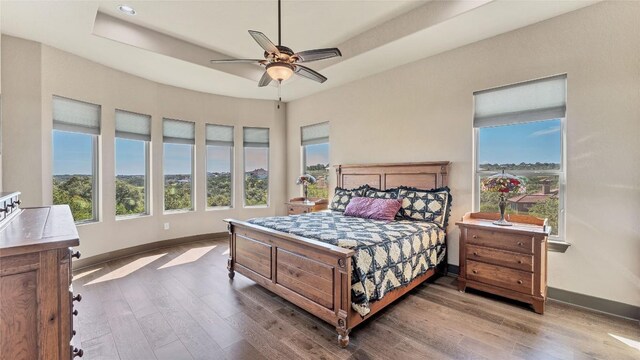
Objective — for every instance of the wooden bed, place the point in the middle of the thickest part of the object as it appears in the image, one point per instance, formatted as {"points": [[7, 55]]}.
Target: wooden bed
{"points": [[316, 276]]}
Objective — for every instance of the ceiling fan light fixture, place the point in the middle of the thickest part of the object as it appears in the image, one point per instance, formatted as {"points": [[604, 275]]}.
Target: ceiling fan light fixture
{"points": [[127, 9], [280, 71]]}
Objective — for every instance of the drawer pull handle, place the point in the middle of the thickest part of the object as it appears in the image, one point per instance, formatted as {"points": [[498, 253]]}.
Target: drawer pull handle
{"points": [[73, 333], [77, 298], [76, 255], [519, 261], [474, 271], [75, 312], [520, 243], [475, 253], [475, 236], [77, 352], [520, 282]]}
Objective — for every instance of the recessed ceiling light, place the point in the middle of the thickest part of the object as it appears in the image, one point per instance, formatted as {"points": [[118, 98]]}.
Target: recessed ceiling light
{"points": [[127, 9]]}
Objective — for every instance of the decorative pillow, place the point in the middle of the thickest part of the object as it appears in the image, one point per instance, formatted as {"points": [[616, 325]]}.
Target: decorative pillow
{"points": [[342, 197], [381, 194], [425, 205], [370, 208]]}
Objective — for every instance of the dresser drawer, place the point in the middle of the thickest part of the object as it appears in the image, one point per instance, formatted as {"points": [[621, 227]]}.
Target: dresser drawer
{"points": [[500, 257], [501, 240], [512, 279], [296, 210]]}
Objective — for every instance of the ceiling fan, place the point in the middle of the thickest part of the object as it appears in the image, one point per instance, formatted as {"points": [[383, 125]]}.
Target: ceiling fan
{"points": [[281, 62]]}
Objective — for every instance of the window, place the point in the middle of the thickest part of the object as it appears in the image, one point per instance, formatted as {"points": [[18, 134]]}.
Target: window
{"points": [[520, 129], [133, 134], [256, 167], [315, 158], [76, 127], [179, 140], [219, 165]]}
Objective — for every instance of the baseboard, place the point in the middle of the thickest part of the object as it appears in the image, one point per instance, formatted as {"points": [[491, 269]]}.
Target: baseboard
{"points": [[121, 253], [586, 301]]}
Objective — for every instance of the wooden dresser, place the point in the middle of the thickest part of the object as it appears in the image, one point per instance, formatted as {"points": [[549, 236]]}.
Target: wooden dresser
{"points": [[509, 261], [297, 206], [36, 298]]}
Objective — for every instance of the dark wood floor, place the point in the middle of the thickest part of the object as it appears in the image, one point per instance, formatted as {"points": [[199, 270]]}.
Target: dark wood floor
{"points": [[178, 303]]}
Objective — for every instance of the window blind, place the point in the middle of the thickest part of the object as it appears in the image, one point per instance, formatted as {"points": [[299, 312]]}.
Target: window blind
{"points": [[133, 126], [535, 100], [178, 131], [76, 116], [315, 134], [219, 135], [256, 137]]}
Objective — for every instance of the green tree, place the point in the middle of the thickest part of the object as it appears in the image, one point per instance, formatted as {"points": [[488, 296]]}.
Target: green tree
{"points": [[549, 210], [129, 198]]}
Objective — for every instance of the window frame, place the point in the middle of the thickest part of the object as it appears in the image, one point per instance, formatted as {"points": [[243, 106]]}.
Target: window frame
{"points": [[147, 181], [561, 173], [95, 181], [244, 170], [231, 170]]}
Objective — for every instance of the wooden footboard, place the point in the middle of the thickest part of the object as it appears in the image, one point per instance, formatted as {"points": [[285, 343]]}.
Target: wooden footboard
{"points": [[311, 274]]}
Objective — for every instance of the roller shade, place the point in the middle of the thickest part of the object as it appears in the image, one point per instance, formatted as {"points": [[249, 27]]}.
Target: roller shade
{"points": [[133, 126], [219, 135], [178, 132], [256, 137], [315, 134], [535, 100], [76, 116]]}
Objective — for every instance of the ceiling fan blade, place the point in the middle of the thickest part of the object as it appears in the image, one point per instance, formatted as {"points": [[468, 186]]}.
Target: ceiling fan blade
{"points": [[227, 61], [264, 41], [309, 73], [317, 54], [264, 80]]}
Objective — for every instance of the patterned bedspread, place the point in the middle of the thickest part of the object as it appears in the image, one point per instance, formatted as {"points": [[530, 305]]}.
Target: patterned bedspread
{"points": [[388, 254]]}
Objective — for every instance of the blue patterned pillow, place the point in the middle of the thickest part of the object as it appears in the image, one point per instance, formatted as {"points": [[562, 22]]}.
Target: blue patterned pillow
{"points": [[426, 205], [381, 194], [342, 197]]}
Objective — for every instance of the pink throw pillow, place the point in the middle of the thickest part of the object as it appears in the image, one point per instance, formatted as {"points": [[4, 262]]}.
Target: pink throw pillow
{"points": [[370, 208]]}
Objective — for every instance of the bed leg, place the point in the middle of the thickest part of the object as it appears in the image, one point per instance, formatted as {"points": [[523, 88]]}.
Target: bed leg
{"points": [[232, 272], [343, 337]]}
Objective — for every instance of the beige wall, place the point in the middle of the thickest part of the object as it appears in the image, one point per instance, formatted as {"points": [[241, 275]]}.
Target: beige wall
{"points": [[423, 111], [33, 73]]}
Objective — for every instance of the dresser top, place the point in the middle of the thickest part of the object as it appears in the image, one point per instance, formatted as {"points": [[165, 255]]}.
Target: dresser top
{"points": [[521, 223], [38, 229]]}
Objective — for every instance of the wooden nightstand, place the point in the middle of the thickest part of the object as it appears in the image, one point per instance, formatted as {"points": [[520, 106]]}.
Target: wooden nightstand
{"points": [[297, 206], [509, 261]]}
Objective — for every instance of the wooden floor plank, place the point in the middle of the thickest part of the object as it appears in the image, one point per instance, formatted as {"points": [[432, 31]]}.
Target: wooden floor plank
{"points": [[191, 310]]}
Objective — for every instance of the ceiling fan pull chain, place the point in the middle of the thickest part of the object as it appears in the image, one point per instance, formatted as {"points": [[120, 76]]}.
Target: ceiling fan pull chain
{"points": [[279, 93]]}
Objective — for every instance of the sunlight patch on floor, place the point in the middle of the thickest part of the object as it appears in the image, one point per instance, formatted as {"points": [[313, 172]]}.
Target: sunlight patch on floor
{"points": [[127, 269], [226, 252], [188, 256], [632, 343], [85, 273]]}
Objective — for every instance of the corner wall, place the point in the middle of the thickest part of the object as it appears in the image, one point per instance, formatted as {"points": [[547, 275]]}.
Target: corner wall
{"points": [[423, 111], [32, 73]]}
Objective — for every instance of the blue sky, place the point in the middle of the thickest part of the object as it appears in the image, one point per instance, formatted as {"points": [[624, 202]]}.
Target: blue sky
{"points": [[72, 153], [529, 143], [318, 154]]}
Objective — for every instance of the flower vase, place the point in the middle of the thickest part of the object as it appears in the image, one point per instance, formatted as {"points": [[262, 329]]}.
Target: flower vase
{"points": [[503, 206]]}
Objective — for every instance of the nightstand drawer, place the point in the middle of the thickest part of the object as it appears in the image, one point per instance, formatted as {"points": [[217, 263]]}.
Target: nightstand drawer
{"points": [[501, 240], [512, 279], [500, 257], [296, 210]]}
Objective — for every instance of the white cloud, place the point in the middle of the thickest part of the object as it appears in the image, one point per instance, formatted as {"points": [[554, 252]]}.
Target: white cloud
{"points": [[551, 130]]}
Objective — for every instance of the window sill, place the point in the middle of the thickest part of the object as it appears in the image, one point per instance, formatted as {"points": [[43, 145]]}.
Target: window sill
{"points": [[177, 211], [132, 217], [256, 207], [558, 246], [218, 208], [87, 222]]}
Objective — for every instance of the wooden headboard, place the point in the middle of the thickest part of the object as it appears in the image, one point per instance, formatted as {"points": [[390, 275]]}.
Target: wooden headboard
{"points": [[423, 175]]}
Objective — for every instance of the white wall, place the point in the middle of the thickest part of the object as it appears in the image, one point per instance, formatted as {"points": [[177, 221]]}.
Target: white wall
{"points": [[32, 73], [423, 111]]}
